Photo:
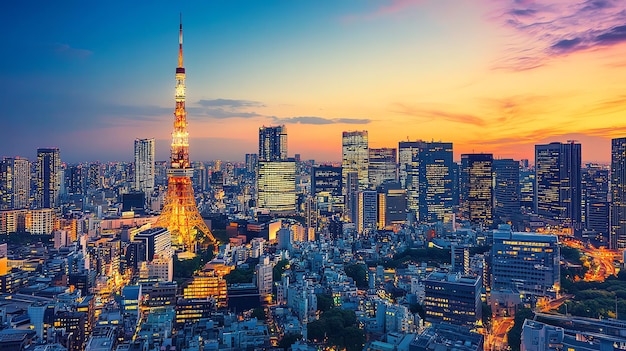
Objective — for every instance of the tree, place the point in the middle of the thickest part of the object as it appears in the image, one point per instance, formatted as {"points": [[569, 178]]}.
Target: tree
{"points": [[515, 334], [419, 309], [324, 302], [486, 314], [340, 326], [239, 275], [358, 272], [186, 268], [279, 269], [288, 340], [259, 314]]}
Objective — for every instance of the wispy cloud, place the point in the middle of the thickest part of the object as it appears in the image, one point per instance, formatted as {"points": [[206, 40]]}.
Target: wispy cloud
{"points": [[314, 120], [429, 114], [389, 7], [68, 52], [224, 108], [561, 27], [230, 103]]}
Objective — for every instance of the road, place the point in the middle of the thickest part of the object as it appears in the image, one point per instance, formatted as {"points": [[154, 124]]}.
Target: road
{"points": [[601, 260]]}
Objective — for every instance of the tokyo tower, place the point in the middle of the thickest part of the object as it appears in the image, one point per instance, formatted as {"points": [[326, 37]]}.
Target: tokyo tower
{"points": [[180, 214]]}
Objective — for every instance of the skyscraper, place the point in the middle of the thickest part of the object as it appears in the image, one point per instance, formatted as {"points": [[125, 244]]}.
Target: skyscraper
{"points": [[558, 183], [506, 190], [144, 167], [477, 188], [180, 214], [326, 188], [618, 193], [276, 186], [273, 143], [276, 177], [14, 183], [595, 194], [525, 262], [426, 172], [391, 205], [355, 157], [382, 166], [48, 179], [368, 211]]}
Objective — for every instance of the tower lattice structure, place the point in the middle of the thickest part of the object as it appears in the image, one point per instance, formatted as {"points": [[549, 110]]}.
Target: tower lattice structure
{"points": [[180, 213]]}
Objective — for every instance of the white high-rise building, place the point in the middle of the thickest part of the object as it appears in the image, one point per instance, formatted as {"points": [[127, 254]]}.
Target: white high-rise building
{"points": [[144, 166]]}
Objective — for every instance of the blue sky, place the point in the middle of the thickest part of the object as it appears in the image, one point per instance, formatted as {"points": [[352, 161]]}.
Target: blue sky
{"points": [[490, 76]]}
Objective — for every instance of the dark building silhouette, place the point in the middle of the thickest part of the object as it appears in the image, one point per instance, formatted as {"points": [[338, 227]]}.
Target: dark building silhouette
{"points": [[595, 202], [48, 178], [506, 190], [618, 193]]}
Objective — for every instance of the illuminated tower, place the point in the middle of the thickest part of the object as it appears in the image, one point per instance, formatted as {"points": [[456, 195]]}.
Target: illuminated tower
{"points": [[180, 214]]}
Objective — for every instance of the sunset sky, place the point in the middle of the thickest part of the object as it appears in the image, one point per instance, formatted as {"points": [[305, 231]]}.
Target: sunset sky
{"points": [[495, 76]]}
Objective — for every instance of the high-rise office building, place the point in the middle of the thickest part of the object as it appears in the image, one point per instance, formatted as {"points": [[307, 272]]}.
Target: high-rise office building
{"points": [[595, 202], [453, 298], [368, 211], [326, 188], [94, 177], [527, 188], [382, 166], [48, 179], [427, 172], [351, 189], [273, 143], [477, 188], [460, 260], [276, 176], [525, 262], [355, 157], [558, 183], [144, 166], [14, 183], [618, 193], [252, 161], [276, 186], [74, 180], [506, 205], [158, 245], [392, 205]]}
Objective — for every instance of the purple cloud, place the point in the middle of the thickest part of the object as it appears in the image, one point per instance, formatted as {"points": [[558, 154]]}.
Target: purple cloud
{"points": [[557, 28]]}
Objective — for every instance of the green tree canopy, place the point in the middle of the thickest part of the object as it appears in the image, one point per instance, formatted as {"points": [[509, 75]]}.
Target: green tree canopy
{"points": [[341, 329], [358, 272]]}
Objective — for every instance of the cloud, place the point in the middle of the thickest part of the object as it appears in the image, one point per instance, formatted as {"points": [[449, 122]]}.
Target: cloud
{"points": [[544, 30], [224, 108], [218, 113], [230, 103], [434, 114], [68, 52], [566, 44], [314, 120], [613, 35], [392, 7]]}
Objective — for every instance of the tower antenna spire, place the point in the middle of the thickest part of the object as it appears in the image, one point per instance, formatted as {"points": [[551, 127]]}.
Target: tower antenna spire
{"points": [[180, 43]]}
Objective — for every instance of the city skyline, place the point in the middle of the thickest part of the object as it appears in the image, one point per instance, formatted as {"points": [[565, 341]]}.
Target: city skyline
{"points": [[488, 76]]}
